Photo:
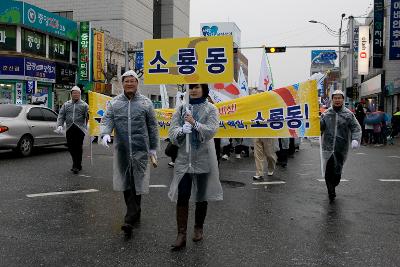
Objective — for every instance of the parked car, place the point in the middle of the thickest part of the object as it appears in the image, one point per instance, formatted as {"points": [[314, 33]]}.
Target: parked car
{"points": [[23, 127]]}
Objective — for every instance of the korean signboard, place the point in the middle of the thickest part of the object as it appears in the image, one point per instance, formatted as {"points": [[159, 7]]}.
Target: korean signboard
{"points": [[377, 37], [59, 49], [18, 97], [33, 42], [84, 51], [188, 60], [65, 74], [11, 67], [40, 70], [46, 21], [10, 12], [98, 56], [220, 29], [8, 38], [394, 46], [355, 48], [325, 57], [363, 50], [30, 87], [139, 61]]}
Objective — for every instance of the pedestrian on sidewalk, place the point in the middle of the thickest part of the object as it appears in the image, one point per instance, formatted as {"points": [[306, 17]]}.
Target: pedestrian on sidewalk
{"points": [[75, 114], [132, 118], [265, 149], [196, 172], [339, 126]]}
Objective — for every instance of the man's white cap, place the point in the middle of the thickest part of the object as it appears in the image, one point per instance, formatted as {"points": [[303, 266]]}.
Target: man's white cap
{"points": [[76, 88], [131, 73], [338, 92]]}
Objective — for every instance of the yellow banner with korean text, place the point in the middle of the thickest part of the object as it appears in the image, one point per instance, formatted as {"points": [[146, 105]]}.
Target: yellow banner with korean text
{"points": [[188, 60], [98, 56], [97, 109], [291, 111]]}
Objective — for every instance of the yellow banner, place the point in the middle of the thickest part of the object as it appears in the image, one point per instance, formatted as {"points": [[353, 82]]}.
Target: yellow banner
{"points": [[97, 109], [98, 56], [188, 60], [291, 111]]}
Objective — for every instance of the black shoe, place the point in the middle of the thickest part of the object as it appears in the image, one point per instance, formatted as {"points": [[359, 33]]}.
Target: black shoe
{"points": [[127, 228], [75, 170], [332, 197]]}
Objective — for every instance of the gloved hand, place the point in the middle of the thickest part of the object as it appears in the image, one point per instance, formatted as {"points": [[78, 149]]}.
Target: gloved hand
{"points": [[106, 139], [187, 128], [59, 130], [153, 153], [354, 144]]}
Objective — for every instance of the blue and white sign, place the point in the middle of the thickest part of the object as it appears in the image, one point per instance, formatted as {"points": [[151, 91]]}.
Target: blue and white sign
{"points": [[30, 87], [394, 45], [220, 29], [324, 57], [11, 66], [139, 61], [40, 70]]}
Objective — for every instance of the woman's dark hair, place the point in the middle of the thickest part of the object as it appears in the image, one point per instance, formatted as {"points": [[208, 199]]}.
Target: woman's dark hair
{"points": [[204, 87]]}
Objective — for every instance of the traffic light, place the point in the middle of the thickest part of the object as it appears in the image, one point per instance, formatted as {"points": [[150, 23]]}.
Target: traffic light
{"points": [[275, 49]]}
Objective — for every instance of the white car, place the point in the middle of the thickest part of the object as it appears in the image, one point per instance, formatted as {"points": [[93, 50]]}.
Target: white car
{"points": [[23, 127]]}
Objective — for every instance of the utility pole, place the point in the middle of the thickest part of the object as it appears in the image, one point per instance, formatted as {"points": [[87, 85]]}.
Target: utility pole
{"points": [[351, 53], [126, 46], [340, 54]]}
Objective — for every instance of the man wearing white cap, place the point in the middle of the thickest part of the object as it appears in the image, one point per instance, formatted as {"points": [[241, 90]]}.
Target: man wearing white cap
{"points": [[339, 126], [75, 114], [132, 118]]}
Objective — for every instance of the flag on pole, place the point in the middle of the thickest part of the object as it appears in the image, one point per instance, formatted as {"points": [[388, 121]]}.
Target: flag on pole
{"points": [[242, 83], [265, 82], [164, 96], [220, 92]]}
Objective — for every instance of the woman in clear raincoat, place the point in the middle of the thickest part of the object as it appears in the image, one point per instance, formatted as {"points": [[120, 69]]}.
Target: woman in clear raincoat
{"points": [[132, 117], [338, 127], [196, 173]]}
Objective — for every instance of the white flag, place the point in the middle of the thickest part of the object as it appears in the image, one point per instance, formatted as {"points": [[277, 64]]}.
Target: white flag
{"points": [[164, 96], [242, 83], [265, 82], [180, 99]]}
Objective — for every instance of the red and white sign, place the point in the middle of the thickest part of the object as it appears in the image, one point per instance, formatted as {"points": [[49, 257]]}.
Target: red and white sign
{"points": [[363, 50]]}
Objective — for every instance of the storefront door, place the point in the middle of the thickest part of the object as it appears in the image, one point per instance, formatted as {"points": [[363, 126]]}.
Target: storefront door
{"points": [[7, 93]]}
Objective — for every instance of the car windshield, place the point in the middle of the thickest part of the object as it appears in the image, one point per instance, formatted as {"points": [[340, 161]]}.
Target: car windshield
{"points": [[9, 111]]}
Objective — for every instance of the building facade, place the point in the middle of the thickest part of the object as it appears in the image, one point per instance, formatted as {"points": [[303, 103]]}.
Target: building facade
{"points": [[127, 21], [37, 55]]}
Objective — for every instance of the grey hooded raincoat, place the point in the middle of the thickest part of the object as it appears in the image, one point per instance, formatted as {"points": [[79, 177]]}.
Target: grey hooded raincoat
{"points": [[338, 129], [136, 133], [201, 159], [74, 113]]}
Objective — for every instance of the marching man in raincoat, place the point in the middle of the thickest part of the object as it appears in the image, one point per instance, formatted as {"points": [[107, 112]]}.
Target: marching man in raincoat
{"points": [[75, 114], [132, 117], [196, 171], [339, 126]]}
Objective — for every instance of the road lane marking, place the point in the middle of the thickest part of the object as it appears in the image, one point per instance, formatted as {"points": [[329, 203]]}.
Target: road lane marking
{"points": [[87, 176], [62, 193], [396, 157], [342, 180], [389, 180], [303, 174], [360, 153], [158, 186], [269, 183]]}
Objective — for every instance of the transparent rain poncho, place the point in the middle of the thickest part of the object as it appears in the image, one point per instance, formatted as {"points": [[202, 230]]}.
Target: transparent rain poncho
{"points": [[200, 159], [338, 129], [74, 113], [136, 133]]}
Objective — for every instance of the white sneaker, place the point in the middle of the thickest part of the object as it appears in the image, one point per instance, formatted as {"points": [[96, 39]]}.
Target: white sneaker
{"points": [[257, 177], [270, 173], [171, 164], [237, 156], [225, 157]]}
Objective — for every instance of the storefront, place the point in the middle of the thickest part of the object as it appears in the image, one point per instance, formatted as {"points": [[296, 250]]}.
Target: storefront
{"points": [[392, 100], [26, 81], [65, 80], [371, 93]]}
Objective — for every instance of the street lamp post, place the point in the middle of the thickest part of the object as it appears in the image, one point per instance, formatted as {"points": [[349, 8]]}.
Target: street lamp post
{"points": [[339, 33]]}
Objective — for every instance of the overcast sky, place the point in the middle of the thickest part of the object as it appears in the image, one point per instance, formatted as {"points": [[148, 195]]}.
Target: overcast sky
{"points": [[279, 23]]}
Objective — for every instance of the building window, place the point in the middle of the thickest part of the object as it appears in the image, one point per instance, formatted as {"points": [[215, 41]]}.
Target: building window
{"points": [[157, 19], [65, 14], [59, 49], [33, 42]]}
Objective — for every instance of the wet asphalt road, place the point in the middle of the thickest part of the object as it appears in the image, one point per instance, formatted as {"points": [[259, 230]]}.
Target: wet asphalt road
{"points": [[290, 224]]}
